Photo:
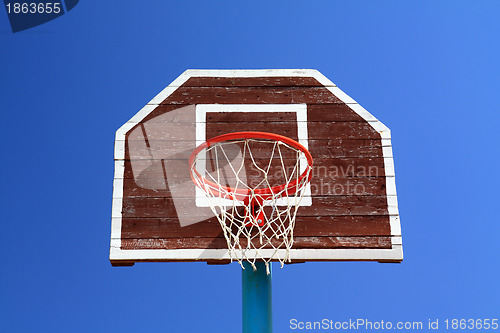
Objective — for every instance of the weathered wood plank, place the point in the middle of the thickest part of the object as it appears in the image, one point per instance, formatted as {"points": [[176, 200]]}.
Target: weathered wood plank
{"points": [[215, 118], [315, 113], [328, 148], [220, 243], [327, 205], [156, 188], [251, 95], [336, 131], [322, 167], [306, 226], [252, 82]]}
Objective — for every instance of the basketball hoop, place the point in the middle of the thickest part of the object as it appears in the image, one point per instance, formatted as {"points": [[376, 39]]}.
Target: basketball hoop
{"points": [[256, 212]]}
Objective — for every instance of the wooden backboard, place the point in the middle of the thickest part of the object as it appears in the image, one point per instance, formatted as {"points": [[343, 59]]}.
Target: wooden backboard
{"points": [[349, 210]]}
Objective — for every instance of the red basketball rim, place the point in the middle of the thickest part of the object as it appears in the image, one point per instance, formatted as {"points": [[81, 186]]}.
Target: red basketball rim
{"points": [[265, 193]]}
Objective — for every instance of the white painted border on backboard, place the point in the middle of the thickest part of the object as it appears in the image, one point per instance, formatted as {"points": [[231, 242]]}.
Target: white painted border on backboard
{"points": [[393, 254], [303, 138], [117, 254]]}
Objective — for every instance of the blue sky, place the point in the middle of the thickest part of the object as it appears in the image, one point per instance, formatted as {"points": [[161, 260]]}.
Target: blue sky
{"points": [[428, 70]]}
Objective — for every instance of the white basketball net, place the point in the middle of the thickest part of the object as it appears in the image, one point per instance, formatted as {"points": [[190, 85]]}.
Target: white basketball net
{"points": [[233, 176]]}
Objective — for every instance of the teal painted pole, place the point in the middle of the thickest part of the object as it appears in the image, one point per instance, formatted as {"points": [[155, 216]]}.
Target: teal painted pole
{"points": [[257, 299]]}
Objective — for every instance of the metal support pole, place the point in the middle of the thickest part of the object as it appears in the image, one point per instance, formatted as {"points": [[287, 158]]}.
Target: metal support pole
{"points": [[257, 299]]}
